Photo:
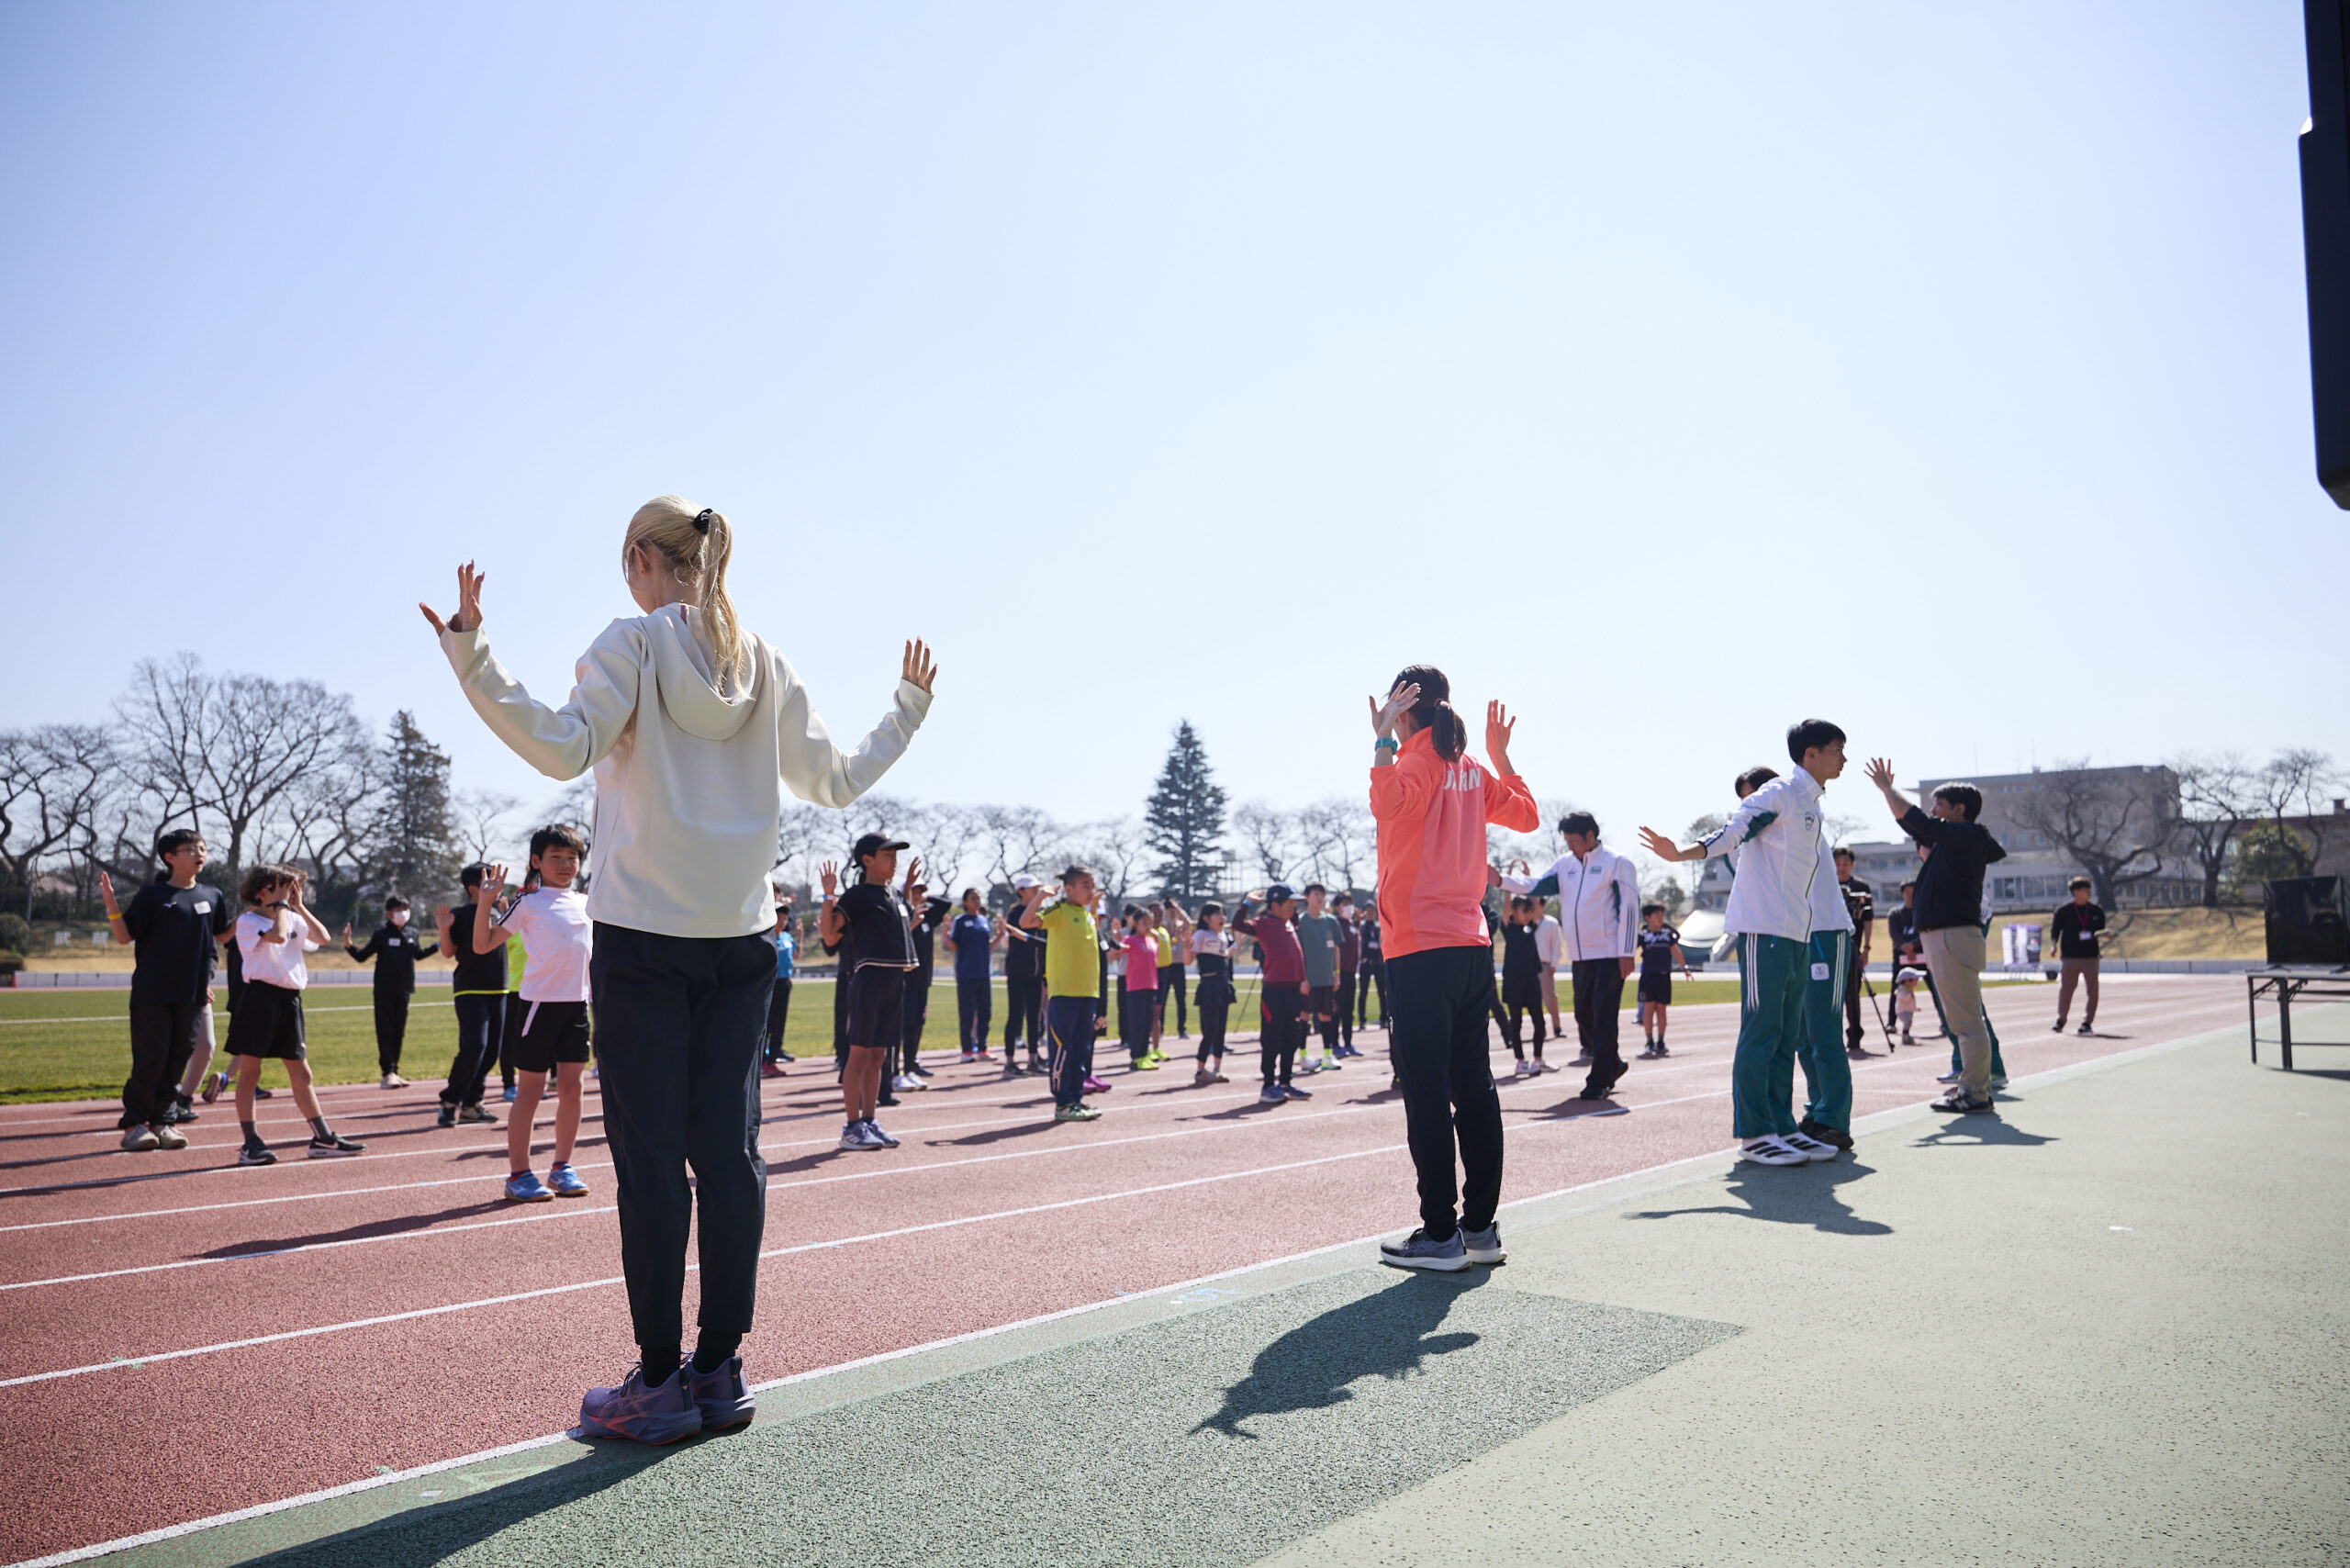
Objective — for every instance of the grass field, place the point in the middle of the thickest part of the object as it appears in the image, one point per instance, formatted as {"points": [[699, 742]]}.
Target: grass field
{"points": [[75, 1045]]}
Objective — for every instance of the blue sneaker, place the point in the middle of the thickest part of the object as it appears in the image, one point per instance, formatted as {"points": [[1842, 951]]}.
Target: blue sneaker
{"points": [[873, 1130], [723, 1399], [566, 1183], [1483, 1246], [509, 1095], [1291, 1091], [1416, 1251], [661, 1414], [527, 1189]]}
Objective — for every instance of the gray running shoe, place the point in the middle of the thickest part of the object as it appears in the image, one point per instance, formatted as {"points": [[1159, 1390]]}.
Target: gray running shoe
{"points": [[1416, 1251], [1081, 1111], [723, 1398], [168, 1137], [661, 1414], [1271, 1095], [1483, 1246], [474, 1114]]}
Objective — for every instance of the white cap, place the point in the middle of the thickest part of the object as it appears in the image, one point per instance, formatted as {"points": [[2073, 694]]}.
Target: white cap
{"points": [[1023, 882]]}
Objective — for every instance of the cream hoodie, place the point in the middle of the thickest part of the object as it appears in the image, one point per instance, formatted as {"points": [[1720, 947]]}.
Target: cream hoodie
{"points": [[689, 784]]}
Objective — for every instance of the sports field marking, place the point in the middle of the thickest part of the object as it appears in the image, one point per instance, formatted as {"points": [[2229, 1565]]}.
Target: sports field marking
{"points": [[568, 1213]]}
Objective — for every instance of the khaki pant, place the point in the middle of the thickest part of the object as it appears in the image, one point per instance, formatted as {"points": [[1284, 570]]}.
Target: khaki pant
{"points": [[1550, 996], [1954, 958], [2084, 971]]}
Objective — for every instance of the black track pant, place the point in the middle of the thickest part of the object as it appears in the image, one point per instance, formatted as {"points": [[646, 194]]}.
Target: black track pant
{"points": [[1441, 999], [779, 1014], [1171, 988], [916, 1014], [1599, 1001], [1023, 1014], [1854, 1033], [480, 1017], [164, 1034], [1373, 974], [679, 1024], [1280, 1031], [1347, 985], [973, 1002], [509, 1034], [391, 1026]]}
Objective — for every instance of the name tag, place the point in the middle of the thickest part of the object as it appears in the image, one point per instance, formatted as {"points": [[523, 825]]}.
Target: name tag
{"points": [[202, 906], [1820, 971]]}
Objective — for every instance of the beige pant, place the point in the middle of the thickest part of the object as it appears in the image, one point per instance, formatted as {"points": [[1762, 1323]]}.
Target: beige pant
{"points": [[2084, 971], [1551, 996], [1954, 958]]}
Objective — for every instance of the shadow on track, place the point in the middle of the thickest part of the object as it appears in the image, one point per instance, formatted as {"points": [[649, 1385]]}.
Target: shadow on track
{"points": [[1980, 1132], [399, 1227], [1802, 1195], [1387, 1334]]}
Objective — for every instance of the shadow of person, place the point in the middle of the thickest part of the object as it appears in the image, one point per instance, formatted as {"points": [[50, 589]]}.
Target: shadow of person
{"points": [[1388, 1334], [996, 1135], [1790, 1194], [1978, 1132], [401, 1225], [417, 1538]]}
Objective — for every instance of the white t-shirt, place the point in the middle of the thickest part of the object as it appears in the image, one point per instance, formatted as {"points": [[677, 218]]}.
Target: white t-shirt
{"points": [[557, 939], [273, 963], [1211, 942]]}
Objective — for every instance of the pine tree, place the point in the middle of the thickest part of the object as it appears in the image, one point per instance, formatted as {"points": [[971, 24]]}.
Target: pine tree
{"points": [[1184, 819], [414, 851]]}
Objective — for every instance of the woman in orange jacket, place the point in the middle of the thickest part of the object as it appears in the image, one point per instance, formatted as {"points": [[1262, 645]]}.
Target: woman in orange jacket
{"points": [[1432, 802]]}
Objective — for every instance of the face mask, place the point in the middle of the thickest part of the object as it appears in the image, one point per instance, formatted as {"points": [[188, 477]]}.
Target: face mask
{"points": [[399, 917]]}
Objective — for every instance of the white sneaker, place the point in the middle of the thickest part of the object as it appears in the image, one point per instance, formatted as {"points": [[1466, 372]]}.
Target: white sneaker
{"points": [[1998, 1084], [393, 1081], [1810, 1148], [1541, 1066], [1947, 1078], [1769, 1150], [1524, 1069], [139, 1141], [168, 1137], [905, 1082], [1582, 1061]]}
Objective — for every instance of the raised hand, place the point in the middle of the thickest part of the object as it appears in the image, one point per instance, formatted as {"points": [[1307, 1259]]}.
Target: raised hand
{"points": [[346, 934], [467, 617], [1659, 845], [918, 668], [1880, 774], [913, 874], [105, 889], [1385, 715], [1498, 728], [493, 882], [829, 875], [442, 922]]}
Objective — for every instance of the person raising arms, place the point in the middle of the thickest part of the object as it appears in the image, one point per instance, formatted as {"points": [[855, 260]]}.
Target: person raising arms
{"points": [[1432, 803], [696, 728]]}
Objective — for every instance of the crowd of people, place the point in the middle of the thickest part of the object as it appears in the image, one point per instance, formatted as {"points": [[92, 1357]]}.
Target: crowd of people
{"points": [[673, 971]]}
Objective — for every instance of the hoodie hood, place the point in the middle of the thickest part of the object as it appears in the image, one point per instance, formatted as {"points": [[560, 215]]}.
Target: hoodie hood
{"points": [[683, 677]]}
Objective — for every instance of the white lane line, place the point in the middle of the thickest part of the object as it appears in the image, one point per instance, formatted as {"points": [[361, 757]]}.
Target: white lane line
{"points": [[568, 1213]]}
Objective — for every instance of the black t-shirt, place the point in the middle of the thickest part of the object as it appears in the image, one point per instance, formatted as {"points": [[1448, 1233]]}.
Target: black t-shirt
{"points": [[396, 949], [1656, 948], [925, 937], [1024, 951], [1370, 941], [1949, 885], [474, 971], [1520, 957], [2076, 927], [174, 928], [878, 928]]}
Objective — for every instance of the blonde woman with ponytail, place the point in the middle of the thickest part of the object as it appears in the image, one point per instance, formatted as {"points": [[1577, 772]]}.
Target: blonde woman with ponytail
{"points": [[695, 728]]}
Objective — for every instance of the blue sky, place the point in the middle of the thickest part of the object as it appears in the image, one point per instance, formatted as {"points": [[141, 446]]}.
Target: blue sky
{"points": [[1672, 373]]}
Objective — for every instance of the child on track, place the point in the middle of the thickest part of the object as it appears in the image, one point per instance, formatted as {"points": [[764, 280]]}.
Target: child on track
{"points": [[273, 933], [1174, 928], [1138, 995], [1905, 1002], [553, 922], [1283, 993], [972, 938], [1522, 986], [1023, 981], [1350, 961], [174, 925], [696, 729], [875, 929], [1073, 986], [477, 993], [927, 913], [1212, 950], [1660, 956], [1317, 940], [786, 950], [395, 948]]}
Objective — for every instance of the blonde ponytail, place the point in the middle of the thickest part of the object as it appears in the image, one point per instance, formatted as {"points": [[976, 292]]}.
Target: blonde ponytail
{"points": [[697, 542]]}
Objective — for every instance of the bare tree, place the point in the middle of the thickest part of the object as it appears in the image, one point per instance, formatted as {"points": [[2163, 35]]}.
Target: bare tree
{"points": [[574, 805], [1268, 837], [1339, 839], [479, 817], [801, 833], [2216, 793], [1115, 847], [328, 813], [53, 783], [1015, 839], [2290, 785], [2114, 824], [949, 838]]}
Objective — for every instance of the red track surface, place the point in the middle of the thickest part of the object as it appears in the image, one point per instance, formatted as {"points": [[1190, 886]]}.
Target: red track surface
{"points": [[865, 1252]]}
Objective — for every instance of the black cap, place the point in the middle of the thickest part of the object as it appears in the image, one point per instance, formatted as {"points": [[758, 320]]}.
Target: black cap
{"points": [[1280, 893], [873, 843]]}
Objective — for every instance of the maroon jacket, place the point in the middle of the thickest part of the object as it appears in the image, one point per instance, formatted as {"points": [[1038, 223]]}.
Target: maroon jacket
{"points": [[1280, 960]]}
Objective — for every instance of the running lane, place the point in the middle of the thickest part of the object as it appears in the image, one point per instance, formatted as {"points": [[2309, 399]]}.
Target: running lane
{"points": [[406, 1314]]}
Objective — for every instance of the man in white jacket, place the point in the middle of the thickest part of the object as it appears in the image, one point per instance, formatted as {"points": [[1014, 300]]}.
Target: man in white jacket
{"points": [[1599, 922]]}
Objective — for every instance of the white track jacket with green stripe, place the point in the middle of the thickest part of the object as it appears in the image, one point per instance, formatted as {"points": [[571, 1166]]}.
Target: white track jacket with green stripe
{"points": [[1776, 832]]}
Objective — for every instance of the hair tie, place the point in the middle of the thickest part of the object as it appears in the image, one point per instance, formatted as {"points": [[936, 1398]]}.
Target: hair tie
{"points": [[702, 520]]}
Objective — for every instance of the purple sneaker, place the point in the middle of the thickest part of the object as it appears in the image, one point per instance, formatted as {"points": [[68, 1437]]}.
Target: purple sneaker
{"points": [[661, 1414], [724, 1398]]}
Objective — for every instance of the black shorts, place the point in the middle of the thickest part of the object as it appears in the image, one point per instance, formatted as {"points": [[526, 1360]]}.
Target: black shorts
{"points": [[553, 1032], [1322, 998], [1657, 988], [1522, 990], [877, 1008], [268, 1023]]}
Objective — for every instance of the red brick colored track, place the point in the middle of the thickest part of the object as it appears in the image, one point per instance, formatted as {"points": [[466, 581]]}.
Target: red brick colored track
{"points": [[179, 1338]]}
